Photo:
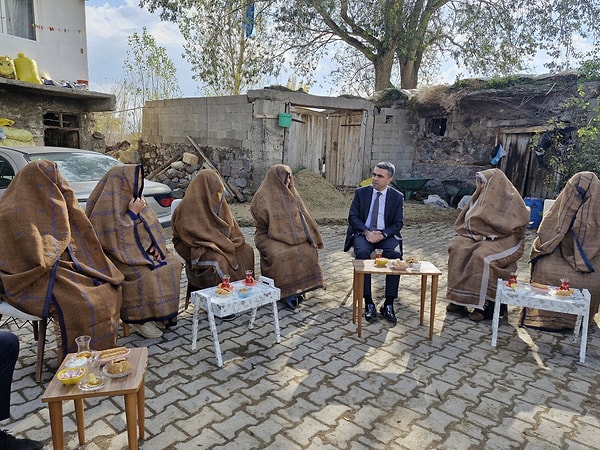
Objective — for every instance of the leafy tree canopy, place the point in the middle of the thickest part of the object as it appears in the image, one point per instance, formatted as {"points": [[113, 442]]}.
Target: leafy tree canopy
{"points": [[493, 37]]}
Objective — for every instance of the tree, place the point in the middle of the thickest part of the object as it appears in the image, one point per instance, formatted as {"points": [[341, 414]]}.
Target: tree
{"points": [[489, 38], [227, 43], [149, 75], [494, 37]]}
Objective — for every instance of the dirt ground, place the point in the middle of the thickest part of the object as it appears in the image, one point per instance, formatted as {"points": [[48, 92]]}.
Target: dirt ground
{"points": [[329, 206]]}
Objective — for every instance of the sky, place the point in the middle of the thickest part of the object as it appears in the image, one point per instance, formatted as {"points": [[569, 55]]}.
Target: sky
{"points": [[109, 23]]}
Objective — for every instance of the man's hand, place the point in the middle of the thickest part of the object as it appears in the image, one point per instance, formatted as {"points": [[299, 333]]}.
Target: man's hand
{"points": [[373, 236]]}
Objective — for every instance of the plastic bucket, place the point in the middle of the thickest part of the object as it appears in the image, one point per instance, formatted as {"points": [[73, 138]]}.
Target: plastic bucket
{"points": [[536, 207], [285, 120]]}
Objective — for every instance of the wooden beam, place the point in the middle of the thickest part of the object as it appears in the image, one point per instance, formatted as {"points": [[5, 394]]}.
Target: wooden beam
{"points": [[231, 189], [164, 167]]}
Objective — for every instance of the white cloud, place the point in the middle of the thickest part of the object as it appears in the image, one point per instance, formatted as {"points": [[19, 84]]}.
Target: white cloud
{"points": [[109, 24]]}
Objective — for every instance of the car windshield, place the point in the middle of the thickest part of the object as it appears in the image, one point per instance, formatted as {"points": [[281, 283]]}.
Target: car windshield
{"points": [[79, 166]]}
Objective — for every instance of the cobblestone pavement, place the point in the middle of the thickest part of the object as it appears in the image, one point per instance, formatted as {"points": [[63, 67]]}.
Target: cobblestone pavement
{"points": [[323, 387]]}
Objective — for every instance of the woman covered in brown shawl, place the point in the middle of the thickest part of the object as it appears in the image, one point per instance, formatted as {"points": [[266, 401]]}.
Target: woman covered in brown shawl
{"points": [[286, 236], [490, 241], [133, 239], [207, 236], [568, 246], [52, 262]]}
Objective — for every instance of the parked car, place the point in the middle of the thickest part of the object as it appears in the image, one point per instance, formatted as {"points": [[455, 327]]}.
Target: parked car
{"points": [[83, 169]]}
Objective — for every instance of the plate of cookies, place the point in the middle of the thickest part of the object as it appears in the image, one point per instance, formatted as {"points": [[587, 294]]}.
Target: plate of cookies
{"points": [[111, 354], [118, 368], [224, 291]]}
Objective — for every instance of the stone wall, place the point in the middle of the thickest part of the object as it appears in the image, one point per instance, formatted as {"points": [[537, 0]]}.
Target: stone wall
{"points": [[477, 118], [233, 164], [447, 133], [27, 104]]}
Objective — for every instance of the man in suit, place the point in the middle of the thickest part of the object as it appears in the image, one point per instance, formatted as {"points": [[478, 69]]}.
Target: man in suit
{"points": [[374, 222]]}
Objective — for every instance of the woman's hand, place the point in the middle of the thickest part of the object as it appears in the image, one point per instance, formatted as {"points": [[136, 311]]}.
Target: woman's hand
{"points": [[136, 205], [155, 253]]}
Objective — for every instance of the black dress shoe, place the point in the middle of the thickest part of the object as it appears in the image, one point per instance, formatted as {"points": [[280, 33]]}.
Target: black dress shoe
{"points": [[370, 312], [387, 311]]}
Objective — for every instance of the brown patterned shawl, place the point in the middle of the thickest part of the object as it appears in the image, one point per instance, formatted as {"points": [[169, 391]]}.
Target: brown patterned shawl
{"points": [[207, 236], [568, 245], [491, 230], [52, 262], [151, 286], [287, 236]]}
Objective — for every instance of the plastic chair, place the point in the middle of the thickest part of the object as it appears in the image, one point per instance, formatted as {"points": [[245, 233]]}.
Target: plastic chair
{"points": [[39, 331]]}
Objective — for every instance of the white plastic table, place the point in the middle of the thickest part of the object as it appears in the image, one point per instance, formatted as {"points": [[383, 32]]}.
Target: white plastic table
{"points": [[263, 293], [523, 295]]}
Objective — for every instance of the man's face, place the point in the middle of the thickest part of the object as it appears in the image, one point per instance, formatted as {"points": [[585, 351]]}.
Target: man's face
{"points": [[381, 179]]}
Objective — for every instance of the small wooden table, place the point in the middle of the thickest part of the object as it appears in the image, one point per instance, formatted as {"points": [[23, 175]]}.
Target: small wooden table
{"points": [[367, 266], [131, 387], [578, 303], [263, 293]]}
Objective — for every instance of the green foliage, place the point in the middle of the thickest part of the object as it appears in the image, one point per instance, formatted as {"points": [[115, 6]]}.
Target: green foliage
{"points": [[590, 70], [390, 96], [224, 60], [149, 75], [566, 158], [375, 41], [504, 82]]}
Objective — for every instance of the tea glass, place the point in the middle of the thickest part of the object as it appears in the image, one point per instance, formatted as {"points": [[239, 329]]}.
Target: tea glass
{"points": [[83, 346], [225, 279], [249, 277]]}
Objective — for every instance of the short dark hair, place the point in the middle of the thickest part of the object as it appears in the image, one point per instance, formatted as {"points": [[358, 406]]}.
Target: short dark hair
{"points": [[386, 165]]}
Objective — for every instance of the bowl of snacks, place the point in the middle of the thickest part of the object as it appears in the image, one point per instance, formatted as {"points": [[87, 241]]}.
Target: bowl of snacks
{"points": [[381, 262], [71, 375], [245, 292], [413, 263], [118, 368], [224, 290]]}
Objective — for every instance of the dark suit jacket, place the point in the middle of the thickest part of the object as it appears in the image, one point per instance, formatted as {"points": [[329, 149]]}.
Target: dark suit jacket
{"points": [[359, 210]]}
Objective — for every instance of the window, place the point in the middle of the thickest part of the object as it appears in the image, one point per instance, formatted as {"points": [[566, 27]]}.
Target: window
{"points": [[6, 173], [61, 130], [17, 18], [438, 126]]}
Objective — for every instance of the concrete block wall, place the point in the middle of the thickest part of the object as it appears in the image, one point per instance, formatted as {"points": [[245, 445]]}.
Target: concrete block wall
{"points": [[394, 140]]}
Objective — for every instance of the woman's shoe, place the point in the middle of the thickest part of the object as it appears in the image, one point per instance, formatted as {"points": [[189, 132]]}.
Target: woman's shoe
{"points": [[149, 330], [457, 309], [300, 299], [477, 316], [292, 302]]}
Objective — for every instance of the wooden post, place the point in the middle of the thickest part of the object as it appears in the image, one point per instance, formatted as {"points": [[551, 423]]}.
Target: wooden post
{"points": [[232, 189]]}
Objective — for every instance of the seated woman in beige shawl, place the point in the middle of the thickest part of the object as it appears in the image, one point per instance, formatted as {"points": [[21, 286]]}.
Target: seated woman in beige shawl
{"points": [[133, 239], [568, 246], [52, 262], [490, 241], [207, 236], [286, 236]]}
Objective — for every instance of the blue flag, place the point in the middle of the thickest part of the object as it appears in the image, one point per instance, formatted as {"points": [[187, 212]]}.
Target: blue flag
{"points": [[249, 20]]}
